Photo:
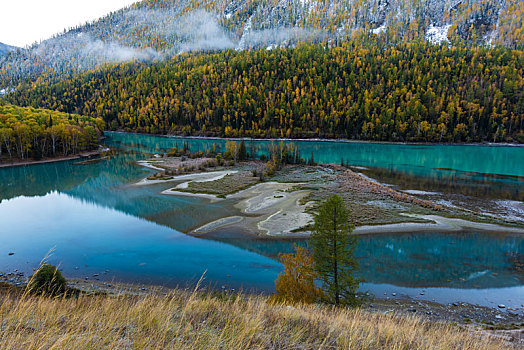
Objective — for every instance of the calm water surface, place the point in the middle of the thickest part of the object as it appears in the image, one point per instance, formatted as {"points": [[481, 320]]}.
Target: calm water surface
{"points": [[95, 221]]}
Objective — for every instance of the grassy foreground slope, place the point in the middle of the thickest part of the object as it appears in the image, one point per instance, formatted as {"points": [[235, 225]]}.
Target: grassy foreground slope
{"points": [[196, 321]]}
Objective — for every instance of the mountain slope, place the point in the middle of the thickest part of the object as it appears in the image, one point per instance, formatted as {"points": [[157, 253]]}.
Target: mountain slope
{"points": [[361, 89], [155, 29], [4, 49]]}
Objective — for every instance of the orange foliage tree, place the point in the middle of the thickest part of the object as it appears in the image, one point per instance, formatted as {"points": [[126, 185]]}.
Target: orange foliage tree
{"points": [[296, 284]]}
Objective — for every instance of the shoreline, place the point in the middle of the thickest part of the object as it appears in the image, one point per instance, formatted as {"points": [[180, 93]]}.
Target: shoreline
{"points": [[334, 140], [54, 160]]}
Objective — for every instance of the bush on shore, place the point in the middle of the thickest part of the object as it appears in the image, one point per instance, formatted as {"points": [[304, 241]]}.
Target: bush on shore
{"points": [[47, 280]]}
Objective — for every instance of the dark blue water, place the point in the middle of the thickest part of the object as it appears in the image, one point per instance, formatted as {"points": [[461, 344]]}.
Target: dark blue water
{"points": [[94, 221]]}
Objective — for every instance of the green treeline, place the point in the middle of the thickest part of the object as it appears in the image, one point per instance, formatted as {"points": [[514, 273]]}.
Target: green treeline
{"points": [[365, 90], [36, 133]]}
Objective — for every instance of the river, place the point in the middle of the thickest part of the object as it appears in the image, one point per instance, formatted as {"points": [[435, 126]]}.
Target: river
{"points": [[95, 222]]}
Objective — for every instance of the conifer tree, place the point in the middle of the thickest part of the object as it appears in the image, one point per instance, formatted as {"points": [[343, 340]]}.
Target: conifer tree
{"points": [[242, 152], [333, 252]]}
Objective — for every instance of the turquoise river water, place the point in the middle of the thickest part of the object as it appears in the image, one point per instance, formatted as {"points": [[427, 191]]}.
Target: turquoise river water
{"points": [[94, 220]]}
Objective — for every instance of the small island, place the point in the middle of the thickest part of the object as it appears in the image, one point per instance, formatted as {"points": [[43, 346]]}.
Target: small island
{"points": [[276, 194]]}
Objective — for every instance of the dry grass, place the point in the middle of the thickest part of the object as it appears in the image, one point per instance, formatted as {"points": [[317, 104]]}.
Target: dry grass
{"points": [[197, 321]]}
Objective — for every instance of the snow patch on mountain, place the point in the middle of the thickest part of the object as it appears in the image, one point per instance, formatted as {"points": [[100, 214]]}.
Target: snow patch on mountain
{"points": [[247, 28], [379, 30], [437, 34]]}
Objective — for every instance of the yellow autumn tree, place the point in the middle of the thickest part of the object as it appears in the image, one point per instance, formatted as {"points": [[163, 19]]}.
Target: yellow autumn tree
{"points": [[296, 284]]}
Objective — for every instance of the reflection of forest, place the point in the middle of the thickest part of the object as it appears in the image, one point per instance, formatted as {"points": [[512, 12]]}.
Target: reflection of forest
{"points": [[179, 213], [456, 182], [467, 260], [107, 184], [40, 179]]}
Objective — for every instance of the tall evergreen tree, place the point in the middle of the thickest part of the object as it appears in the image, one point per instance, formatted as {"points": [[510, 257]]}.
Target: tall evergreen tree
{"points": [[333, 252], [242, 152]]}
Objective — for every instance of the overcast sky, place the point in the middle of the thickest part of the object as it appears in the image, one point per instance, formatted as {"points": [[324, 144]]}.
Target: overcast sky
{"points": [[22, 22]]}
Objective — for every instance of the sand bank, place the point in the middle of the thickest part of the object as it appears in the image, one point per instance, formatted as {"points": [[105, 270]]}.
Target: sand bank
{"points": [[212, 176], [438, 224], [186, 179], [274, 209], [218, 224], [266, 209], [149, 164]]}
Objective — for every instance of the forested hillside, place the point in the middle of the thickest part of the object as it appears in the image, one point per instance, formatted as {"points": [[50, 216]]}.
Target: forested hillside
{"points": [[154, 30], [367, 90], [37, 133]]}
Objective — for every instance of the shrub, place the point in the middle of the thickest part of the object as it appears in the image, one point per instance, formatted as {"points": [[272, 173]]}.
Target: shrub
{"points": [[297, 282], [271, 167], [47, 280], [219, 159]]}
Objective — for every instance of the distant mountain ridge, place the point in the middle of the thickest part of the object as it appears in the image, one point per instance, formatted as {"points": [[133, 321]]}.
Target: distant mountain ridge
{"points": [[156, 29], [4, 49]]}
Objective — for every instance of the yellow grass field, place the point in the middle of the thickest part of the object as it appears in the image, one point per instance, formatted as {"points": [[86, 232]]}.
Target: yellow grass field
{"points": [[181, 320]]}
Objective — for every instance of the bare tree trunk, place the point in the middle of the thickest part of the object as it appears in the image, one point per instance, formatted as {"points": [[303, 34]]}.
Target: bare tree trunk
{"points": [[53, 138], [43, 145], [8, 148]]}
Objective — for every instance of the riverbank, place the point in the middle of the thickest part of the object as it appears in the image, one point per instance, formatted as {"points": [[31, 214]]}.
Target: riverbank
{"points": [[82, 155], [124, 316], [283, 205]]}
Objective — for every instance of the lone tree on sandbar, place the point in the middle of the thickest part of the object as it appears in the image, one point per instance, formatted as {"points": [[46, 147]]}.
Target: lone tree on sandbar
{"points": [[333, 252]]}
